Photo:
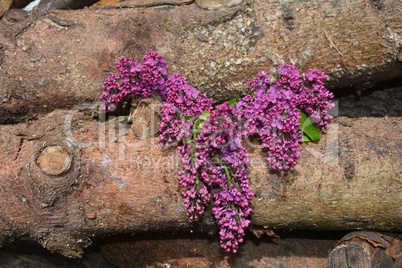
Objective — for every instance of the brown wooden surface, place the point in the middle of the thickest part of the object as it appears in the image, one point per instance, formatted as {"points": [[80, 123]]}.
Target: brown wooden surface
{"points": [[367, 249], [4, 6], [58, 59], [106, 181], [116, 183], [201, 250]]}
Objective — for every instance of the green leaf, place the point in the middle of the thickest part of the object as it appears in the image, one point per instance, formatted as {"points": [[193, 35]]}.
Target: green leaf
{"points": [[305, 138], [188, 117], [310, 130], [204, 115], [200, 126], [197, 128], [233, 101], [118, 119]]}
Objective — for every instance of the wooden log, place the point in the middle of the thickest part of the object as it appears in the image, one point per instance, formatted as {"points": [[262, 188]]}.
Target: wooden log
{"points": [[201, 250], [60, 58], [4, 6], [367, 249], [62, 4], [20, 3], [67, 178]]}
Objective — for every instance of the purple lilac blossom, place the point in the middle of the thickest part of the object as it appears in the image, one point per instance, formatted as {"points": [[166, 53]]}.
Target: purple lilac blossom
{"points": [[135, 79], [195, 195], [289, 78], [181, 100], [213, 158], [220, 142], [315, 99], [272, 112], [312, 96], [272, 115]]}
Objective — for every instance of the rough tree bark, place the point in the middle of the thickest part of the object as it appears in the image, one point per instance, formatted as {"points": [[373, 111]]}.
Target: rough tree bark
{"points": [[57, 59], [367, 249], [66, 178]]}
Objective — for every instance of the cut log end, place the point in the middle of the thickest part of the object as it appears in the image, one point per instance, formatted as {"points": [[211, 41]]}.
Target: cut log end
{"points": [[54, 160], [366, 249]]}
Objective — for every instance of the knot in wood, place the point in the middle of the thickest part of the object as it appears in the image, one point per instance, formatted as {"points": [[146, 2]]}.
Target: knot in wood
{"points": [[145, 117], [54, 160], [213, 4]]}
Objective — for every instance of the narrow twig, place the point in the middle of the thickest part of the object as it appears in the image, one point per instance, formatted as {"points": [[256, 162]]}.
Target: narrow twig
{"points": [[332, 44]]}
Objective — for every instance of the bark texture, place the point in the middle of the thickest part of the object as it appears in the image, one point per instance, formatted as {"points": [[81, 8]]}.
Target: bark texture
{"points": [[4, 6], [367, 249], [102, 180], [204, 251], [57, 59]]}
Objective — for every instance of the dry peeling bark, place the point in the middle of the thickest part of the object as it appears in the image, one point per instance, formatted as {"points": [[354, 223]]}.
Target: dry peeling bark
{"points": [[367, 249], [57, 59], [66, 178]]}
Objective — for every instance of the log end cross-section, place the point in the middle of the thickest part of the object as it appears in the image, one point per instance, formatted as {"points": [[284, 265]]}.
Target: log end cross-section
{"points": [[54, 160]]}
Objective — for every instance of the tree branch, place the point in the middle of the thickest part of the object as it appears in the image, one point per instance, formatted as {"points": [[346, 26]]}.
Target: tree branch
{"points": [[60, 58], [69, 178]]}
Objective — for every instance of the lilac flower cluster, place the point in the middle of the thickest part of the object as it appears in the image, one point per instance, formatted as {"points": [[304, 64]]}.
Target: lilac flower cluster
{"points": [[135, 79], [180, 112], [225, 168], [181, 100], [209, 139], [214, 158], [312, 96], [315, 99], [195, 194], [272, 112]]}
